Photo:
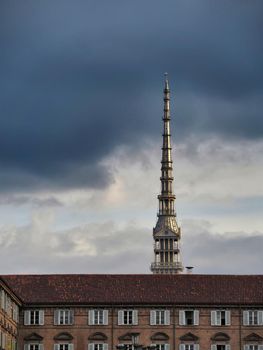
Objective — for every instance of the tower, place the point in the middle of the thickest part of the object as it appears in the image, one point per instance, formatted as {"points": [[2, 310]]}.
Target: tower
{"points": [[166, 233]]}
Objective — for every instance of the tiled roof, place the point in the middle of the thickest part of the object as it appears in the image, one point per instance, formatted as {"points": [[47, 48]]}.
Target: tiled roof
{"points": [[138, 289]]}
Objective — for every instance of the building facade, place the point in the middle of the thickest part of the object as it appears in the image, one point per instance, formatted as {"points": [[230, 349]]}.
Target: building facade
{"points": [[106, 312], [9, 318]]}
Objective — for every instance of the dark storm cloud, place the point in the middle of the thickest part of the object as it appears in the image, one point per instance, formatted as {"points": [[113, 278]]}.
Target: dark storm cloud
{"points": [[80, 78]]}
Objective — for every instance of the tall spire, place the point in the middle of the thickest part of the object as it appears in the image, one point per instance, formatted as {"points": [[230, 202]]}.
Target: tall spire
{"points": [[166, 233]]}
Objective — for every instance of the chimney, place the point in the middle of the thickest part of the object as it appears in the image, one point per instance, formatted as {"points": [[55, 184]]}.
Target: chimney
{"points": [[189, 270]]}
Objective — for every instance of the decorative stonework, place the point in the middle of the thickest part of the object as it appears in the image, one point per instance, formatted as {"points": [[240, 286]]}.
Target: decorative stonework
{"points": [[220, 337], [33, 337], [189, 337], [166, 233], [253, 337], [98, 336], [160, 336], [63, 336]]}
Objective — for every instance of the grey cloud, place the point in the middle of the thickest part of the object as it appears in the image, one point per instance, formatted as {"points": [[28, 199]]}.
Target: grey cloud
{"points": [[230, 253], [77, 80], [106, 248]]}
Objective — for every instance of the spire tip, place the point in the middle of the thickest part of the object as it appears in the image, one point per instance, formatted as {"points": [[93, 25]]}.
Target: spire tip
{"points": [[166, 81]]}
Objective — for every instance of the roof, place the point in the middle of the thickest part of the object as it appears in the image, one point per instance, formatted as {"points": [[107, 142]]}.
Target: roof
{"points": [[138, 289]]}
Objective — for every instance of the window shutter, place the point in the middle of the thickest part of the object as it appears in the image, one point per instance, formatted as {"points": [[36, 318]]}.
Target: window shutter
{"points": [[56, 321], [152, 317], [181, 317], [135, 317], [2, 299], [196, 317], [260, 318], [120, 317], [91, 317], [260, 347], [166, 346], [213, 318], [26, 317], [41, 347], [196, 346], [3, 340], [167, 317], [228, 318], [56, 346], [26, 347], [91, 346], [71, 346], [246, 347], [71, 317], [228, 347], [213, 347], [245, 318], [105, 346], [41, 317], [181, 347], [105, 318]]}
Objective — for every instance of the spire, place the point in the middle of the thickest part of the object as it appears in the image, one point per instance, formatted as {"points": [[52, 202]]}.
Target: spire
{"points": [[166, 198], [166, 233]]}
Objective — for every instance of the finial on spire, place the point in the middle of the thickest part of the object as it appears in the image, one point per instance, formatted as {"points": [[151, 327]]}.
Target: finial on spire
{"points": [[166, 86]]}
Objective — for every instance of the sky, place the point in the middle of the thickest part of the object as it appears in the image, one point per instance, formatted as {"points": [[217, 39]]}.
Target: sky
{"points": [[80, 133]]}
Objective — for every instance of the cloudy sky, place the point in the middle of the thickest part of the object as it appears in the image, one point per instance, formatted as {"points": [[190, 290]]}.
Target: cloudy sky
{"points": [[80, 133]]}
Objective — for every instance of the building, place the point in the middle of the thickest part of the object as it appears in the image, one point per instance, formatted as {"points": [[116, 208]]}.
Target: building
{"points": [[166, 310], [167, 233], [9, 313], [99, 312]]}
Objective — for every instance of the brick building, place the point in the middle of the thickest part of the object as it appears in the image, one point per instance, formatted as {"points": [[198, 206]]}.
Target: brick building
{"points": [[9, 317], [99, 312], [164, 311]]}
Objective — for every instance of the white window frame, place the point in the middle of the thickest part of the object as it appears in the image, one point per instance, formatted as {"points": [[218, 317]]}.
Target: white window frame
{"points": [[94, 346], [63, 317], [62, 346], [160, 317], [38, 317], [35, 346], [100, 319], [188, 346], [182, 318], [227, 346], [216, 317], [161, 346], [121, 317], [257, 317], [253, 347]]}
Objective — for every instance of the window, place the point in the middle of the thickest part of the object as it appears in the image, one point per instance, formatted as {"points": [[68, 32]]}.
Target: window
{"points": [[64, 346], [98, 346], [159, 317], [189, 347], [220, 347], [127, 317], [162, 346], [63, 317], [188, 317], [33, 347], [34, 317], [253, 318], [98, 317], [220, 318]]}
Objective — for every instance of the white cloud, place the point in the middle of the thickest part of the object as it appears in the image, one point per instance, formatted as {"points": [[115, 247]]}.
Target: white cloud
{"points": [[218, 186]]}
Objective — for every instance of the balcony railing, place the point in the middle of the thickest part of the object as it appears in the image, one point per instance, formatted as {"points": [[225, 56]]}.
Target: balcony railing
{"points": [[166, 265]]}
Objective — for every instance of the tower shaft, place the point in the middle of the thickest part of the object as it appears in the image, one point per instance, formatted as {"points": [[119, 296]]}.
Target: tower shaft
{"points": [[166, 233]]}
